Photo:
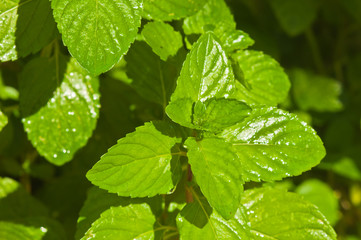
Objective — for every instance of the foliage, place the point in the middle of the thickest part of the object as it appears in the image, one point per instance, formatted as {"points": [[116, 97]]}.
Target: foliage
{"points": [[174, 119]]}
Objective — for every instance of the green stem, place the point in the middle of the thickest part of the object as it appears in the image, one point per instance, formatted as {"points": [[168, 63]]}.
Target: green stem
{"points": [[25, 178], [10, 109], [316, 53], [169, 236]]}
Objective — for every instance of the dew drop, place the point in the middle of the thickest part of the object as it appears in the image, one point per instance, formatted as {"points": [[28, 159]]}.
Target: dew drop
{"points": [[55, 155], [44, 230], [74, 129], [95, 97]]}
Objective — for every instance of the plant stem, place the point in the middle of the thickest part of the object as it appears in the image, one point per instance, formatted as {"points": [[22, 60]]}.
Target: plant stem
{"points": [[189, 195], [170, 235], [315, 51], [25, 178]]}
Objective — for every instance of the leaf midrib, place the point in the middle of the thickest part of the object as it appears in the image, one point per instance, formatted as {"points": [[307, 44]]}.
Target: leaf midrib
{"points": [[144, 158]]}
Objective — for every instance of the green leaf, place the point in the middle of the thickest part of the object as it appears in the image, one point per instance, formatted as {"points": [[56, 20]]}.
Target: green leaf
{"points": [[7, 186], [157, 80], [181, 111], [134, 221], [306, 91], [321, 195], [261, 80], [167, 10], [217, 114], [215, 13], [97, 201], [295, 16], [197, 220], [3, 120], [272, 144], [97, 33], [26, 26], [344, 166], [206, 73], [7, 92], [277, 214], [216, 168], [14, 231], [162, 38], [233, 40], [143, 164], [64, 125]]}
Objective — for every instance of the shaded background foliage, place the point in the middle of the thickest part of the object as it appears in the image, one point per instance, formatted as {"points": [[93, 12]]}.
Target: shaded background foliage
{"points": [[319, 45]]}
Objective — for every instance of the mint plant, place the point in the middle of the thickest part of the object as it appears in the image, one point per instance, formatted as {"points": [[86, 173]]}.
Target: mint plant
{"points": [[159, 120]]}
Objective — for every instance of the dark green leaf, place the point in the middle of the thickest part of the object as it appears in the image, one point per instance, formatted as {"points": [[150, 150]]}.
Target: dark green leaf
{"points": [[143, 164], [354, 7], [156, 80], [97, 33], [38, 81], [162, 38], [17, 206], [52, 229], [26, 26], [16, 203], [276, 214], [273, 144], [295, 16], [216, 168], [14, 231], [344, 166]]}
